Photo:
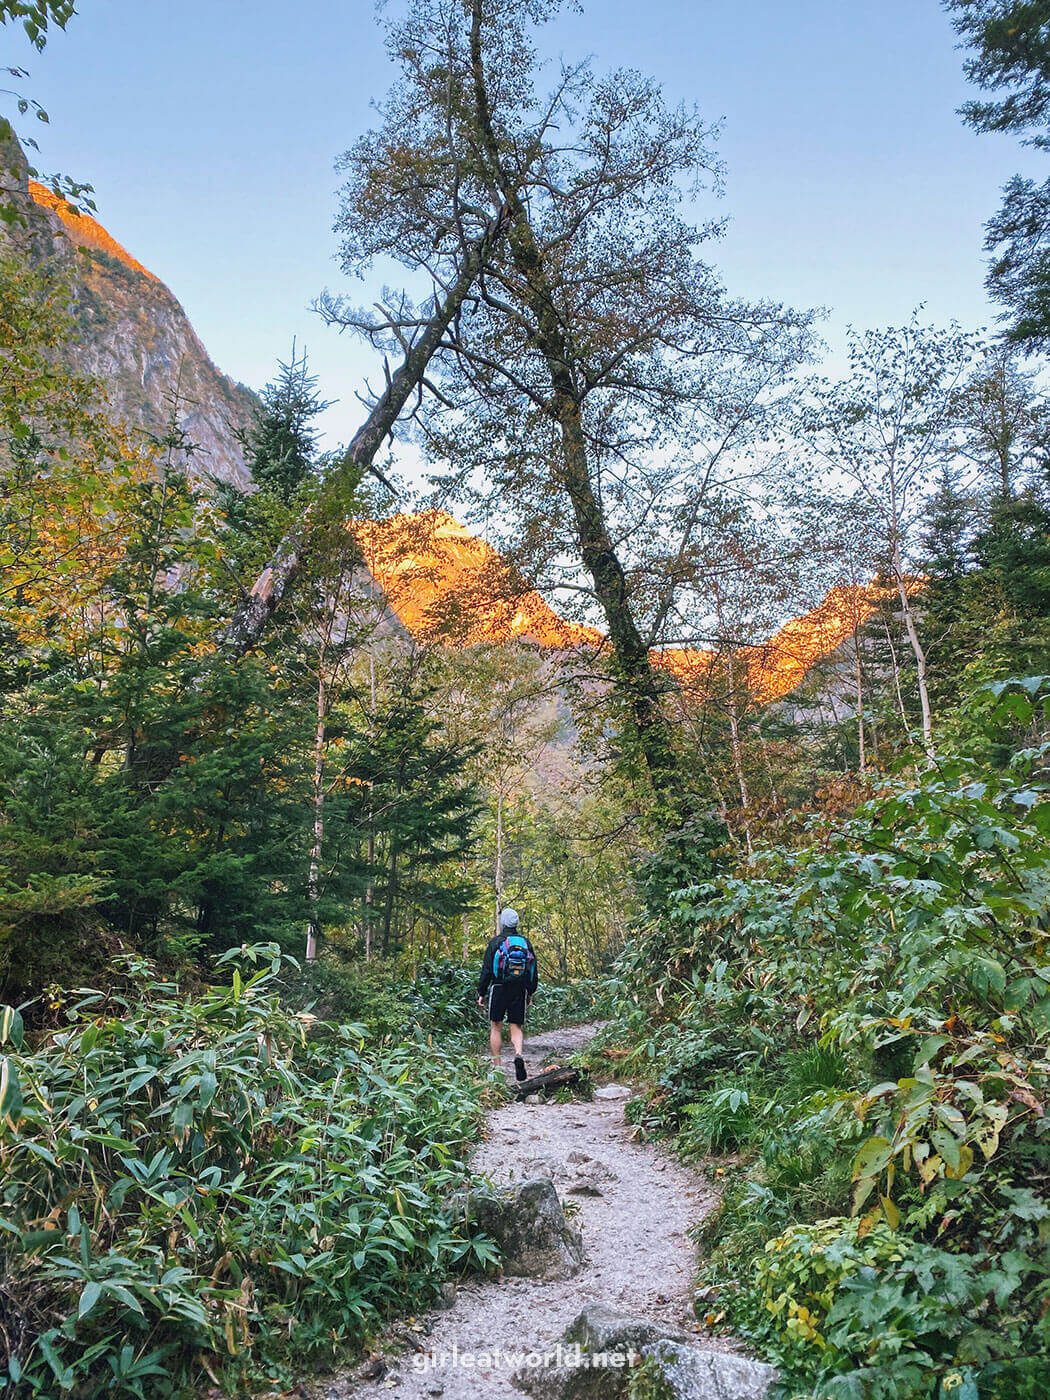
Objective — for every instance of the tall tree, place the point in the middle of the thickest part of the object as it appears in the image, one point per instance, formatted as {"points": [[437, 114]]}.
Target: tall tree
{"points": [[887, 429], [1010, 55], [584, 393], [280, 443], [1003, 417]]}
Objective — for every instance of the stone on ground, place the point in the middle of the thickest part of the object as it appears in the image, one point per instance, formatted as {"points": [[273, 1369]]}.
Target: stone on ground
{"points": [[675, 1368], [529, 1226], [691, 1373]]}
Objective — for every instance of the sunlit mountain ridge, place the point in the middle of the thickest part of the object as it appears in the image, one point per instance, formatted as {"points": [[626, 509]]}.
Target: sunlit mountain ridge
{"points": [[444, 583], [85, 231], [447, 585]]}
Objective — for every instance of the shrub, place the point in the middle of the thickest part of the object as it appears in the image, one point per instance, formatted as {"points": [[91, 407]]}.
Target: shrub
{"points": [[866, 1016], [194, 1187]]}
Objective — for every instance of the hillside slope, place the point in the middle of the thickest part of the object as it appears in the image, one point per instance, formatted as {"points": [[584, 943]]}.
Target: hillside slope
{"points": [[134, 335], [441, 581], [446, 584]]}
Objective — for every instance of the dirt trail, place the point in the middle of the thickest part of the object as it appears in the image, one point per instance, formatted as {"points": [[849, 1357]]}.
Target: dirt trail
{"points": [[639, 1257]]}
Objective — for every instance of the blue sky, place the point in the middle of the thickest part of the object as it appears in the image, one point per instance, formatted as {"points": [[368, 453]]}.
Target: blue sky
{"points": [[210, 128]]}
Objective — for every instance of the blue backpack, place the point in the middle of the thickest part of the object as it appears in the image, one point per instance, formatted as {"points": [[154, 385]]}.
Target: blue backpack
{"points": [[513, 960]]}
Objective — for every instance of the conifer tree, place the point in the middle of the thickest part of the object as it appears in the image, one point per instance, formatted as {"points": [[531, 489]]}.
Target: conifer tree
{"points": [[412, 816], [1010, 57], [280, 444]]}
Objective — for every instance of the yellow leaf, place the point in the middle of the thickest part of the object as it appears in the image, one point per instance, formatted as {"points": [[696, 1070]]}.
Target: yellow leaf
{"points": [[965, 1163]]}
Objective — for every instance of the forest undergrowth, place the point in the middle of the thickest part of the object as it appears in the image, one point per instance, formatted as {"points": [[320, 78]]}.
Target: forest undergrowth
{"points": [[218, 1189], [850, 1033]]}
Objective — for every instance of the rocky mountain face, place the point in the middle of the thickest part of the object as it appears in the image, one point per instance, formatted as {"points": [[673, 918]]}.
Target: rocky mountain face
{"points": [[446, 584], [436, 579], [133, 334]]}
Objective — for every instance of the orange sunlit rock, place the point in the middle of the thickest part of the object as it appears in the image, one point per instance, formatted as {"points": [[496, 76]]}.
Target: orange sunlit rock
{"points": [[775, 667], [446, 584], [84, 230]]}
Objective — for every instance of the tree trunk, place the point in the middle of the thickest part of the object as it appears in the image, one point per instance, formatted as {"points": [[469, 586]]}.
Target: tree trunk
{"points": [[634, 674], [370, 888], [498, 878], [858, 680], [251, 618], [388, 903], [920, 655], [314, 876], [370, 850], [895, 668], [738, 760]]}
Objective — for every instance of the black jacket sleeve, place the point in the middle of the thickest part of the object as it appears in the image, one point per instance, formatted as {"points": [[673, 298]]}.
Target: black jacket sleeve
{"points": [[534, 978], [487, 976]]}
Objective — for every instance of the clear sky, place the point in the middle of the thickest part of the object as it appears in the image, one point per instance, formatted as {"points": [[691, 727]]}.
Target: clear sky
{"points": [[209, 129]]}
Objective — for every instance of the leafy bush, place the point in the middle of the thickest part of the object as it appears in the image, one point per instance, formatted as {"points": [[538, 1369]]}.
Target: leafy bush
{"points": [[442, 997], [193, 1188], [567, 1004], [886, 1312], [801, 1270], [866, 1016], [720, 1120]]}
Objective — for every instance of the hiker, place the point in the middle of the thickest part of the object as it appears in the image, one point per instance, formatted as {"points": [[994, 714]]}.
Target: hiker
{"points": [[509, 976]]}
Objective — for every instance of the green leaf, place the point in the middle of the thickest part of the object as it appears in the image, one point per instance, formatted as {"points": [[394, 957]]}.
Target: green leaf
{"points": [[11, 1028], [948, 1145], [873, 1157], [988, 977], [891, 1212], [181, 1122], [10, 1090], [90, 1296]]}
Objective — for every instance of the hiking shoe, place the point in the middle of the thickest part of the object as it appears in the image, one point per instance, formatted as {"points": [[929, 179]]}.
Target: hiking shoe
{"points": [[519, 1069]]}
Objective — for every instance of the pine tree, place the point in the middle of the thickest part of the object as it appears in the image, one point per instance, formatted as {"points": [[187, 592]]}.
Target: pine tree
{"points": [[280, 444], [412, 818], [948, 620], [1010, 56]]}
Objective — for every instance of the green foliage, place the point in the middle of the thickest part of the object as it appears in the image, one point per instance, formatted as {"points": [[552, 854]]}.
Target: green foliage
{"points": [[151, 790], [646, 1381], [205, 1186], [1010, 56], [568, 1003], [416, 779], [36, 15], [685, 855], [865, 1018], [280, 445]]}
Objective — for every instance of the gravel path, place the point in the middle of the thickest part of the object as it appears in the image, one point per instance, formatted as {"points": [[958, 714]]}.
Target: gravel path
{"points": [[635, 1206]]}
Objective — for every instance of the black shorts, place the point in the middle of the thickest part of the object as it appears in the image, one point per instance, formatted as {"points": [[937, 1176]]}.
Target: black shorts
{"points": [[508, 1000]]}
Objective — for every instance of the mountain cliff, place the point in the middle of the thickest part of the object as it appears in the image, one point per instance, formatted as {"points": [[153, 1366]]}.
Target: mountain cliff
{"points": [[441, 582], [133, 334], [446, 584]]}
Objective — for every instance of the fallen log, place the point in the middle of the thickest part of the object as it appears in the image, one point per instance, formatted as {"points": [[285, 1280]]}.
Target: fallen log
{"points": [[549, 1080]]}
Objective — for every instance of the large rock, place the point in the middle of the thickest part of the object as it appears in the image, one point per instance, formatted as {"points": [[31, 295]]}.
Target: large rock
{"points": [[131, 333], [604, 1351], [600, 1328], [691, 1373], [529, 1225]]}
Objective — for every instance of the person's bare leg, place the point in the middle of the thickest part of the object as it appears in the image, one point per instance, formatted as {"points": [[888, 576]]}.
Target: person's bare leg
{"points": [[496, 1041], [517, 1038]]}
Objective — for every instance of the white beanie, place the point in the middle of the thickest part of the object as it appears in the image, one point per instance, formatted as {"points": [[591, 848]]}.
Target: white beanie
{"points": [[509, 918]]}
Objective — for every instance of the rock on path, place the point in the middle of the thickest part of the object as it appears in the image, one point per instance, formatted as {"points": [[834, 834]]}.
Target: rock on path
{"points": [[635, 1208]]}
